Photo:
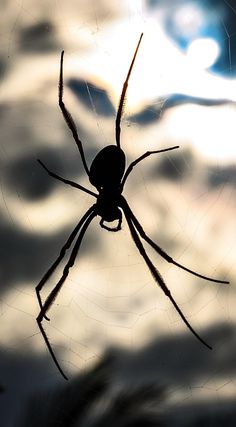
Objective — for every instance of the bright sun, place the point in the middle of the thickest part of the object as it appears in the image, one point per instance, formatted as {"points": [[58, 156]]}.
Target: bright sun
{"points": [[203, 52]]}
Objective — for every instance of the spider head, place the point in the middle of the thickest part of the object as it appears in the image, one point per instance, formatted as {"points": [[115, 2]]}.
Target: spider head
{"points": [[114, 227], [107, 207], [107, 168]]}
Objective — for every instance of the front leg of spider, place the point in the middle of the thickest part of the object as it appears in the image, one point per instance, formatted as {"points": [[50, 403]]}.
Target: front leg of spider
{"points": [[81, 230], [136, 232]]}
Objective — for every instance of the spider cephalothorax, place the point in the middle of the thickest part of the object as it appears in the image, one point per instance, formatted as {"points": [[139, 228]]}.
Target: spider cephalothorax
{"points": [[108, 175]]}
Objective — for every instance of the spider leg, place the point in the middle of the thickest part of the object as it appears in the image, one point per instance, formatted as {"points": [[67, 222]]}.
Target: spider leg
{"points": [[159, 250], [68, 117], [53, 294], [46, 340], [122, 97], [53, 267], [147, 154], [156, 275], [66, 181]]}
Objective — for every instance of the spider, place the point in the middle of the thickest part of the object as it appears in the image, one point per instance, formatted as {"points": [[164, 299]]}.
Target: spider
{"points": [[108, 175]]}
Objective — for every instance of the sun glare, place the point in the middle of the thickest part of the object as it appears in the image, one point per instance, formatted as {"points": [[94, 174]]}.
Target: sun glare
{"points": [[203, 52]]}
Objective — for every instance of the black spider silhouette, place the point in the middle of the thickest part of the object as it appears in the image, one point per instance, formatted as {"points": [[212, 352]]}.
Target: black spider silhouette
{"points": [[107, 173]]}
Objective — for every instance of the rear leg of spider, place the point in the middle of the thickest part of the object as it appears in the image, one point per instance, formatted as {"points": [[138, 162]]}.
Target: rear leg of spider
{"points": [[68, 117], [142, 157], [66, 181], [123, 94]]}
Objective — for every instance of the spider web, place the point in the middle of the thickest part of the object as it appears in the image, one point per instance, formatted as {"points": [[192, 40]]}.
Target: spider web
{"points": [[184, 200]]}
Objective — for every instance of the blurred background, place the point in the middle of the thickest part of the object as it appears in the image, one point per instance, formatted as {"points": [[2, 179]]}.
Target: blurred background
{"points": [[182, 91]]}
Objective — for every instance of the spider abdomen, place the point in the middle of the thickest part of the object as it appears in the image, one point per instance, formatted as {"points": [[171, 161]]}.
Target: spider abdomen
{"points": [[107, 168]]}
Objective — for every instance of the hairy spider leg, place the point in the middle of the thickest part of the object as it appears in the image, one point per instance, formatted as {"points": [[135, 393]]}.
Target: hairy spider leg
{"points": [[53, 267], [53, 294], [68, 117], [123, 94], [66, 181], [139, 159], [156, 275], [160, 251]]}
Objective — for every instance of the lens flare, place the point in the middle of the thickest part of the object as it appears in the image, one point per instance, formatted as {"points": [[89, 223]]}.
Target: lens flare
{"points": [[203, 52]]}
